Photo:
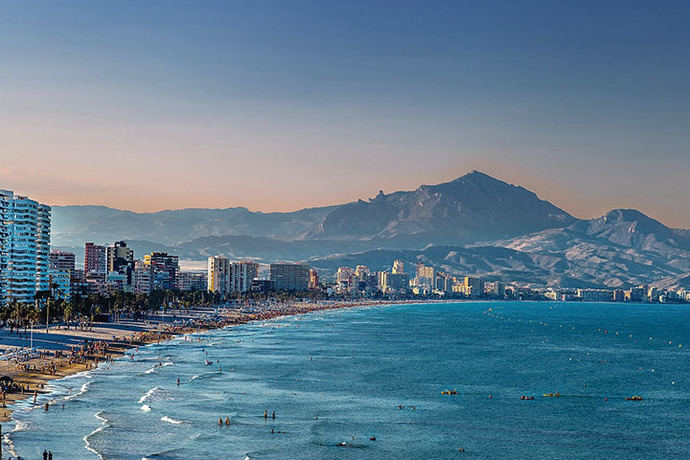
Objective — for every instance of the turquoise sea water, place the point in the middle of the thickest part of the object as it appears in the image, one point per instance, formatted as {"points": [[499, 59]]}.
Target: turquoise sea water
{"points": [[340, 377]]}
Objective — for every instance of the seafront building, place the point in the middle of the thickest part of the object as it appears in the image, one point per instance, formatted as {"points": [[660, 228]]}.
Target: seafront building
{"points": [[313, 279], [164, 270], [242, 274], [95, 268], [62, 261], [192, 281], [120, 259], [62, 270], [24, 247], [219, 275], [142, 277], [289, 277]]}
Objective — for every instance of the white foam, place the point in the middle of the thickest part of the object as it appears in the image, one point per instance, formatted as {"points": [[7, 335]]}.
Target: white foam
{"points": [[103, 426], [165, 418], [84, 388], [148, 394], [158, 366], [145, 408]]}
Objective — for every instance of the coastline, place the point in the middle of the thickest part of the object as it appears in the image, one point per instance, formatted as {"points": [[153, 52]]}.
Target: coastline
{"points": [[40, 371]]}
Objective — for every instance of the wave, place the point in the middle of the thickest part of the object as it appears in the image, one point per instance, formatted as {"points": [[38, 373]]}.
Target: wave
{"points": [[148, 394], [20, 425], [84, 388], [161, 454], [205, 375], [104, 425], [158, 366], [145, 408], [165, 418]]}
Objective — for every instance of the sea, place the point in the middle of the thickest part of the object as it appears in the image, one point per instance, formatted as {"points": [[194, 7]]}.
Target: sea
{"points": [[368, 383]]}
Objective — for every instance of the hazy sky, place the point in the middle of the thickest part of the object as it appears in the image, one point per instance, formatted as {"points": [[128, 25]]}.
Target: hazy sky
{"points": [[148, 105]]}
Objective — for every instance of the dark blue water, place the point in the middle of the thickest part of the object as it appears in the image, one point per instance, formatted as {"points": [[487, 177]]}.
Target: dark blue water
{"points": [[340, 377]]}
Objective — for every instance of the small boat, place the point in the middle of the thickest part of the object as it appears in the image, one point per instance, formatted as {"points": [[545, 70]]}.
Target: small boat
{"points": [[454, 391], [552, 395], [526, 398], [634, 398]]}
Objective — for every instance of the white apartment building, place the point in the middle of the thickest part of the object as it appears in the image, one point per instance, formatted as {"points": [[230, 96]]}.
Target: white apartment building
{"points": [[219, 274], [24, 247], [242, 275]]}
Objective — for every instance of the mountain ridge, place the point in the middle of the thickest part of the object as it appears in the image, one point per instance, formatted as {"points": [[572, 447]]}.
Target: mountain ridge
{"points": [[472, 214]]}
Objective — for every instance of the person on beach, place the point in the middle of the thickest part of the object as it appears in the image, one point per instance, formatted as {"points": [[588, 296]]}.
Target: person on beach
{"points": [[178, 381], [45, 455]]}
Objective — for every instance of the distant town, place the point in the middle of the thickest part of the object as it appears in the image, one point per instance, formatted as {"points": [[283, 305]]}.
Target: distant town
{"points": [[30, 272]]}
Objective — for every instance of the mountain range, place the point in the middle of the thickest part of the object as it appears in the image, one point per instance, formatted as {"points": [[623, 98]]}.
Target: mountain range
{"points": [[475, 224]]}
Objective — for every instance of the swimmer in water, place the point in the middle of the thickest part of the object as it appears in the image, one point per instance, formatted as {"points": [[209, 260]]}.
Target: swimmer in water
{"points": [[220, 421]]}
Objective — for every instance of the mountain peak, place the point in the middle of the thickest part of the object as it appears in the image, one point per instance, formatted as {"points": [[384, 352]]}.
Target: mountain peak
{"points": [[626, 215], [477, 176]]}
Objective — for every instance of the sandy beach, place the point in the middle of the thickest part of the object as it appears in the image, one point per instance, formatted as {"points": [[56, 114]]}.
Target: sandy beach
{"points": [[61, 351]]}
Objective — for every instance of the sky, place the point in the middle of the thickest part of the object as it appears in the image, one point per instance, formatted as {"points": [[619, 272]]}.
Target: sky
{"points": [[281, 105]]}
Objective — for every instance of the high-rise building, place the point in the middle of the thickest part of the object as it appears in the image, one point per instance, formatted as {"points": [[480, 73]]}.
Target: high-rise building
{"points": [[141, 278], [62, 261], [192, 281], [95, 268], [361, 272], [313, 279], [219, 275], [164, 270], [78, 284], [120, 259], [61, 284], [94, 258], [343, 277], [393, 282], [398, 267], [290, 277], [474, 287], [43, 248], [495, 289], [425, 277], [24, 247], [242, 275]]}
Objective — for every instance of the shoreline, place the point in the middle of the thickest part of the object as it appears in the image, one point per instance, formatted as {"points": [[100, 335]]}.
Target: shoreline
{"points": [[35, 377]]}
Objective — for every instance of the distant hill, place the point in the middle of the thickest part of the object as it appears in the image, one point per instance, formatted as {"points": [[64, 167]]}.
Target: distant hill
{"points": [[73, 225], [620, 248], [472, 225], [475, 207]]}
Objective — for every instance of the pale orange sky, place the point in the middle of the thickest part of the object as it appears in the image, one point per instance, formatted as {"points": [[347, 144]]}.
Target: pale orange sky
{"points": [[149, 106]]}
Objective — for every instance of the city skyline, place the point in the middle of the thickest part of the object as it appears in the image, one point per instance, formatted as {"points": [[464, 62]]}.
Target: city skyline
{"points": [[290, 106]]}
